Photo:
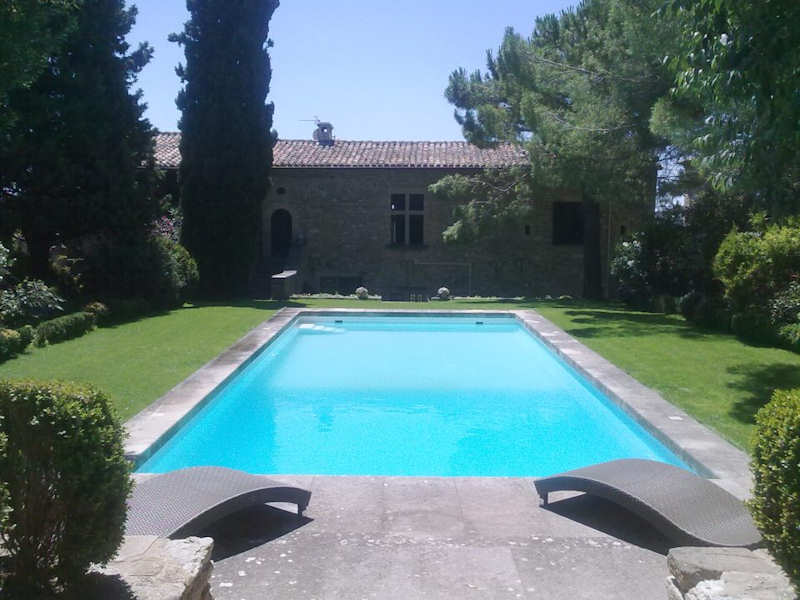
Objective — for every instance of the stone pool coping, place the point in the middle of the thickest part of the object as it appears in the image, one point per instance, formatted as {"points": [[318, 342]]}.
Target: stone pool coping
{"points": [[693, 442]]}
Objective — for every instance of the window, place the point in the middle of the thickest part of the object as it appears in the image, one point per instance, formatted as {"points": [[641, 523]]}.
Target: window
{"points": [[567, 223], [407, 219]]}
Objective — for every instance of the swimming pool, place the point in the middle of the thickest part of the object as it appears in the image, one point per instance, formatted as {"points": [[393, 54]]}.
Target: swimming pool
{"points": [[406, 395]]}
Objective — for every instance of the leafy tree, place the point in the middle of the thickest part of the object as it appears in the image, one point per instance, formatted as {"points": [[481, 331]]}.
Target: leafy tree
{"points": [[489, 205], [79, 158], [226, 139], [30, 32], [578, 95], [736, 108]]}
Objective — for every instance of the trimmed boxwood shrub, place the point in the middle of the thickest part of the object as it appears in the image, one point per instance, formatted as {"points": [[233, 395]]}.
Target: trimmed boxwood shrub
{"points": [[64, 482], [26, 335], [9, 343], [64, 328], [776, 471], [101, 312], [14, 342]]}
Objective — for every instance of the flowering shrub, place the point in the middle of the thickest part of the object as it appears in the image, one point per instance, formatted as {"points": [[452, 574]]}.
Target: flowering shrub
{"points": [[629, 267], [362, 293], [443, 293], [169, 225], [28, 302], [5, 263]]}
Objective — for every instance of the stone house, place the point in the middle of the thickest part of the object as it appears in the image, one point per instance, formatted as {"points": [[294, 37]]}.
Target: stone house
{"points": [[350, 213]]}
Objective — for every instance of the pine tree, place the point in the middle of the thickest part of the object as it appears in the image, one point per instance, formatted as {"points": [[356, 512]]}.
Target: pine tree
{"points": [[578, 95], [226, 139], [79, 158]]}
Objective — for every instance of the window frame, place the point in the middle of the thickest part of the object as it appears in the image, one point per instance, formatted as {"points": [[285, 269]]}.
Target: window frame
{"points": [[406, 213], [563, 236]]}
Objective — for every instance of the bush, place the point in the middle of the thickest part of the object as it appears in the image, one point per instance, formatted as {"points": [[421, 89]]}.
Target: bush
{"points": [[785, 306], [64, 328], [28, 302], [26, 335], [630, 270], [124, 309], [673, 254], [755, 266], [99, 310], [362, 293], [776, 472], [14, 342], [10, 342], [6, 262], [154, 268], [789, 336], [64, 482]]}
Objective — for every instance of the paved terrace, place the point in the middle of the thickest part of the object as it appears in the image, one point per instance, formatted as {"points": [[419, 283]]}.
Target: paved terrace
{"points": [[405, 537]]}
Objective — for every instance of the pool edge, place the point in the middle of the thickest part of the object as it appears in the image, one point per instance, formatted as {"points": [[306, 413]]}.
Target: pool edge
{"points": [[691, 441]]}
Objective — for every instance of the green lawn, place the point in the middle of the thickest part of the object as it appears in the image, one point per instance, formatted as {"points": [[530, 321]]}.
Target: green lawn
{"points": [[715, 377]]}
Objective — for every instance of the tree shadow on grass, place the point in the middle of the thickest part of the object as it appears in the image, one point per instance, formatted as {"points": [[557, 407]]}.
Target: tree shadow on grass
{"points": [[594, 323], [758, 382], [246, 303], [271, 305]]}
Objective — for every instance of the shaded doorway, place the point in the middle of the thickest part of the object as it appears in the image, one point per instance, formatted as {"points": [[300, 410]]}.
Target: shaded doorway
{"points": [[280, 233]]}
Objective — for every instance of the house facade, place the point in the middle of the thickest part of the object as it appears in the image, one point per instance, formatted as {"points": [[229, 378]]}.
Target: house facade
{"points": [[350, 213]]}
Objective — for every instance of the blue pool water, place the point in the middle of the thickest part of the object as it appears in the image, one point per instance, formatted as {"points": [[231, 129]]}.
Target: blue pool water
{"points": [[436, 396]]}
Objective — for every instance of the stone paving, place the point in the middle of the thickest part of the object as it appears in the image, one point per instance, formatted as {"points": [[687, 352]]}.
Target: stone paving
{"points": [[395, 537]]}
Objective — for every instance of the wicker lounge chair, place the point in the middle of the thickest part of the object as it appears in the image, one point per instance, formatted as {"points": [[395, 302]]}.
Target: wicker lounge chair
{"points": [[686, 508], [164, 504]]}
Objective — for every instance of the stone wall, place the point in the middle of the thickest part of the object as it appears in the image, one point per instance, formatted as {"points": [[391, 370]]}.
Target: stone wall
{"points": [[341, 220]]}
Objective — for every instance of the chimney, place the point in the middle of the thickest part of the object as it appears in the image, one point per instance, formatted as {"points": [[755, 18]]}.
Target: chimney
{"points": [[324, 133]]}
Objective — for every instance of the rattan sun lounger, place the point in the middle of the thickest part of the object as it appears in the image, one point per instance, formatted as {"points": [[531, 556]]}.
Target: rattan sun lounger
{"points": [[686, 508], [164, 504]]}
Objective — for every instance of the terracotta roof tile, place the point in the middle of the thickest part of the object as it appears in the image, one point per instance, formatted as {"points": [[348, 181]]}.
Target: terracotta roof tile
{"points": [[300, 154]]}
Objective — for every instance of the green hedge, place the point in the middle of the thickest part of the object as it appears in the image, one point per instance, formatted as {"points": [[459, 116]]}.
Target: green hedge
{"points": [[64, 482], [776, 471], [13, 342], [65, 328]]}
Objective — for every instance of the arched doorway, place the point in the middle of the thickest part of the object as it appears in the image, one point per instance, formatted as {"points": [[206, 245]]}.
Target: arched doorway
{"points": [[280, 233]]}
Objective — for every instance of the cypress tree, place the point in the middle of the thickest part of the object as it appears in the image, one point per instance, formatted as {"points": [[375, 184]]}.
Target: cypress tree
{"points": [[226, 139], [78, 159]]}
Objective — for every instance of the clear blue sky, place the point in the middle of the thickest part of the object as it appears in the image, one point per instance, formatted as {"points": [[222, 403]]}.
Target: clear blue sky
{"points": [[376, 69]]}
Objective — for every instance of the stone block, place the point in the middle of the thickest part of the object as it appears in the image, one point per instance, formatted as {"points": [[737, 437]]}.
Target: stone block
{"points": [[689, 565], [673, 593], [152, 568], [725, 574]]}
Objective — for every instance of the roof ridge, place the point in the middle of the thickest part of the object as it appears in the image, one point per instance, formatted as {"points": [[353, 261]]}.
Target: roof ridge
{"points": [[307, 141], [384, 154]]}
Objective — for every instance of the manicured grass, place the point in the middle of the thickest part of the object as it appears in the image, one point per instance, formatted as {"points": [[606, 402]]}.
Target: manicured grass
{"points": [[715, 377], [136, 362]]}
